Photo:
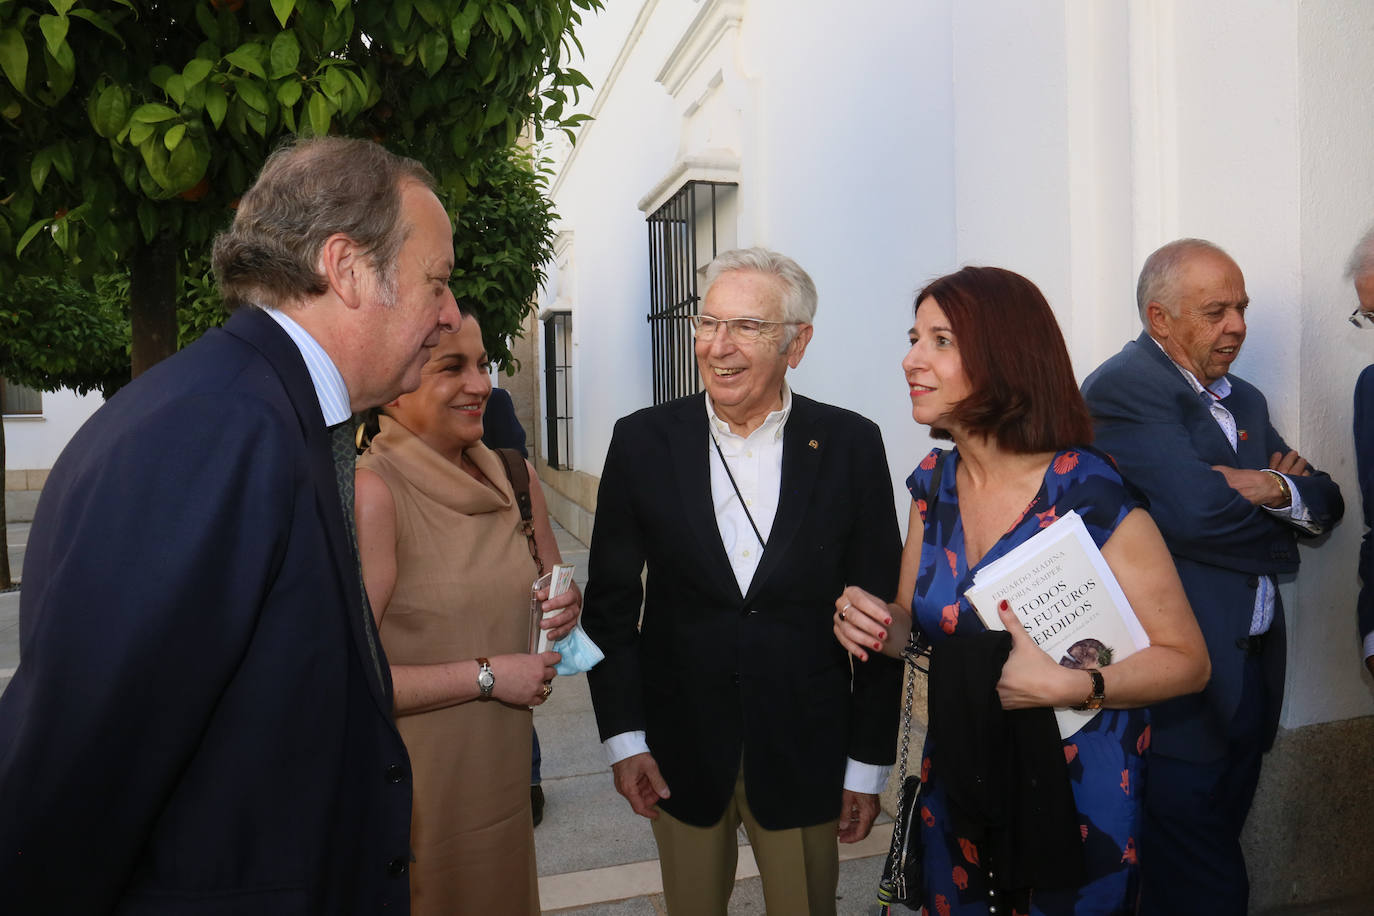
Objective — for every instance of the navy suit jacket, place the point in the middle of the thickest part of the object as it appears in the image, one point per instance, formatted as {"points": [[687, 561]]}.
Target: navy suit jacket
{"points": [[714, 676], [500, 426], [1165, 441], [197, 724], [1364, 462]]}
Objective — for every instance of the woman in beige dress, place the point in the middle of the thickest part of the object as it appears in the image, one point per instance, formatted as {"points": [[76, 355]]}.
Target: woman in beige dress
{"points": [[448, 571]]}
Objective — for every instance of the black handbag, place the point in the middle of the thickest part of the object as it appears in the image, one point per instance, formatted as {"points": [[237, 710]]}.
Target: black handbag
{"points": [[903, 881]]}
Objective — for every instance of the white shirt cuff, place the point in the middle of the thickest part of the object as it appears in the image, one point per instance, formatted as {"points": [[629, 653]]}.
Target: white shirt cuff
{"points": [[868, 778], [1296, 511], [1369, 644], [625, 744]]}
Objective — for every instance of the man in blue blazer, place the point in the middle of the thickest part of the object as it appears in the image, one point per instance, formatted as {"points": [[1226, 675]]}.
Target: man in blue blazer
{"points": [[1360, 269], [201, 721], [1231, 500], [752, 508]]}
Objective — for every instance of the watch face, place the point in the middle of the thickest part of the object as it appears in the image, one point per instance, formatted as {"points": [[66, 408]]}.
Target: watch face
{"points": [[486, 680]]}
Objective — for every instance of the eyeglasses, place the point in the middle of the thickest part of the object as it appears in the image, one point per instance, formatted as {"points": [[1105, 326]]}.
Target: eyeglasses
{"points": [[1362, 318], [704, 327]]}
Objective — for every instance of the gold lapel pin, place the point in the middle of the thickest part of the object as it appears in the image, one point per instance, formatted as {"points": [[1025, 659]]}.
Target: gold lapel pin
{"points": [[814, 444]]}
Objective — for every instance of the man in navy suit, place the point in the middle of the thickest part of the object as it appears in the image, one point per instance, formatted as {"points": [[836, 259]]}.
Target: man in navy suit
{"points": [[1360, 269], [201, 721], [752, 508], [1231, 500]]}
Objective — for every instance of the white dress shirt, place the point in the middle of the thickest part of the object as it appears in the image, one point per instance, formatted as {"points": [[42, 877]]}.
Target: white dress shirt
{"points": [[1262, 618], [324, 375], [756, 463]]}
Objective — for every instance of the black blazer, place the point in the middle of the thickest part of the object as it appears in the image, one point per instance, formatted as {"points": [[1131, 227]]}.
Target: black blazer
{"points": [[197, 724], [713, 676], [1165, 441]]}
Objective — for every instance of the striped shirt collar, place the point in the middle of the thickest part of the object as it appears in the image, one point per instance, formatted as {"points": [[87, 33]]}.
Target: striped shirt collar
{"points": [[329, 384], [1219, 389]]}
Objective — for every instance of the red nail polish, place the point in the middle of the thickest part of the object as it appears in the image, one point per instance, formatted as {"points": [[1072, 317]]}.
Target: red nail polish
{"points": [[878, 646], [1002, 605]]}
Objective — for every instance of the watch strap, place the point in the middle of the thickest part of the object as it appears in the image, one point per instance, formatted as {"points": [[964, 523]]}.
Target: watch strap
{"points": [[1094, 699]]}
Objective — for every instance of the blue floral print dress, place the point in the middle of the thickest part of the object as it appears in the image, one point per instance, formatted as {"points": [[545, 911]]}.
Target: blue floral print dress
{"points": [[1105, 758]]}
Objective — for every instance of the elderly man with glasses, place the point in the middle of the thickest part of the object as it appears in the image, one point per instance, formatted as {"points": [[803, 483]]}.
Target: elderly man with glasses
{"points": [[752, 508], [1360, 269]]}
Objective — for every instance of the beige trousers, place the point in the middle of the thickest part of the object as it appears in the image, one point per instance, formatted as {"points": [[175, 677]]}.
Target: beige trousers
{"points": [[800, 867]]}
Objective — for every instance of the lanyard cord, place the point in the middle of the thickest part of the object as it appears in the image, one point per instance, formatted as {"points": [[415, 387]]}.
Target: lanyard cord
{"points": [[747, 514]]}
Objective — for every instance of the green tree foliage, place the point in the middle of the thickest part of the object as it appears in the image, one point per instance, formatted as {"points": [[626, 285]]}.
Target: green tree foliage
{"points": [[502, 237], [128, 129]]}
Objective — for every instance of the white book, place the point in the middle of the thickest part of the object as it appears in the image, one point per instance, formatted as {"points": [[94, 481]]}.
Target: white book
{"points": [[1067, 598]]}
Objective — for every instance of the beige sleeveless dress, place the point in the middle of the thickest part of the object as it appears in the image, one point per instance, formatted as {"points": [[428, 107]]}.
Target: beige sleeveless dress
{"points": [[463, 576]]}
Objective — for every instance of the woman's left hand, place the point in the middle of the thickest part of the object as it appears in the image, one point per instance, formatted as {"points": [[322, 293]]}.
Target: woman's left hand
{"points": [[1030, 677], [561, 625]]}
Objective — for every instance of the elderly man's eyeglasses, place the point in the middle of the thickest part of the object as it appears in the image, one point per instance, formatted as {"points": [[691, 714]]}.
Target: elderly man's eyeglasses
{"points": [[1362, 318], [704, 327]]}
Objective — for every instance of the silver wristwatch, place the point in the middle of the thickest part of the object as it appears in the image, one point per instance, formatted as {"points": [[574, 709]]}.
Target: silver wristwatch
{"points": [[486, 681]]}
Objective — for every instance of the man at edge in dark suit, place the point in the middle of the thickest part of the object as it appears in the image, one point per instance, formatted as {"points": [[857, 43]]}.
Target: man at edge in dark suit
{"points": [[751, 507], [1231, 500], [201, 721]]}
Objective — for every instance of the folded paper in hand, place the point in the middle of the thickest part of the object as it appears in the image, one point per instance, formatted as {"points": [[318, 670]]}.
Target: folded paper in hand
{"points": [[578, 651], [1065, 595]]}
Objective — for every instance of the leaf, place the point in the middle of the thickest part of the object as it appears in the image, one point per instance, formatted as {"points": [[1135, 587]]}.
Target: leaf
{"points": [[62, 160], [153, 113], [248, 57], [111, 111], [462, 34], [61, 70], [206, 20], [519, 21], [196, 69], [147, 219], [252, 95], [433, 52], [216, 104], [100, 22], [335, 85], [283, 10], [54, 30], [288, 93], [139, 132], [176, 88], [174, 136], [285, 54], [159, 75], [186, 166], [429, 12], [39, 169], [14, 57], [496, 113], [318, 110], [29, 235], [499, 22], [62, 6]]}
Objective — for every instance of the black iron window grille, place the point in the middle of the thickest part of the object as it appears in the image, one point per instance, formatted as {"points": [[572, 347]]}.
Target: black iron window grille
{"points": [[685, 234], [19, 400], [557, 388]]}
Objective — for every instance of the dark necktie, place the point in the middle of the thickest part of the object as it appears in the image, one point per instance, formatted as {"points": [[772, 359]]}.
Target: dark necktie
{"points": [[342, 444]]}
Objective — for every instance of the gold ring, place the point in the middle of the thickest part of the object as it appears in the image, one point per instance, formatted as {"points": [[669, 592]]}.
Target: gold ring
{"points": [[548, 690]]}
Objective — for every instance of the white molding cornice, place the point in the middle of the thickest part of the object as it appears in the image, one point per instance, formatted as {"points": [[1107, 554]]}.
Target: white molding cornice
{"points": [[712, 22], [709, 165]]}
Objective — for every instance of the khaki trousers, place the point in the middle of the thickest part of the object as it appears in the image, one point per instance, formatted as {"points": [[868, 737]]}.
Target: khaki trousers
{"points": [[800, 867]]}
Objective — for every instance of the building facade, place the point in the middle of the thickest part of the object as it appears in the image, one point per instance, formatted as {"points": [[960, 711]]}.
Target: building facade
{"points": [[884, 143]]}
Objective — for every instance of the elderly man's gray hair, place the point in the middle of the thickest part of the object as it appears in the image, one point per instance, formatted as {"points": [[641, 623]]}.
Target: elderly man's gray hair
{"points": [[1159, 275], [798, 291], [1361, 263]]}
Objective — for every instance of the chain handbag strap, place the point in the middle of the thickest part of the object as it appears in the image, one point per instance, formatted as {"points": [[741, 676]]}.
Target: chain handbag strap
{"points": [[917, 649]]}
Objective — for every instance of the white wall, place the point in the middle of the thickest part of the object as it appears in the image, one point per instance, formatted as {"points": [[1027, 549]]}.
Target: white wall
{"points": [[882, 144], [33, 443]]}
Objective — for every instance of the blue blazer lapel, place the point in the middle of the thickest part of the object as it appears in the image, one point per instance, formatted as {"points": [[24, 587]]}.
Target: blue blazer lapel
{"points": [[690, 443], [803, 444], [267, 337], [1204, 429]]}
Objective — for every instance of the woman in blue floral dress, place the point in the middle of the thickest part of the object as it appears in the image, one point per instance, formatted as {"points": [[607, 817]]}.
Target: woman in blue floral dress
{"points": [[988, 369]]}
